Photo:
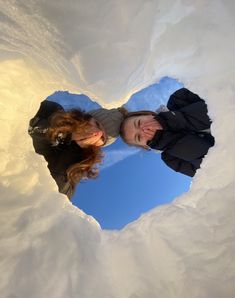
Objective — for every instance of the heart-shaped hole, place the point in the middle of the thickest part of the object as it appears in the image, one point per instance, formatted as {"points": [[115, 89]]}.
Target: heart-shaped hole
{"points": [[131, 181]]}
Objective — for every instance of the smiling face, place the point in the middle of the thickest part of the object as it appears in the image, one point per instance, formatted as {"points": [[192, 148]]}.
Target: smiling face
{"points": [[138, 130], [98, 134], [95, 136]]}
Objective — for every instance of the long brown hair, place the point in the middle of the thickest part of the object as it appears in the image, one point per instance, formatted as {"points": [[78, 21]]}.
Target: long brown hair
{"points": [[66, 123], [128, 116]]}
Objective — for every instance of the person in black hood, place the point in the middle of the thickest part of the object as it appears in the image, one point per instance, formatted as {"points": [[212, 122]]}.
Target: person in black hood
{"points": [[71, 141], [181, 131]]}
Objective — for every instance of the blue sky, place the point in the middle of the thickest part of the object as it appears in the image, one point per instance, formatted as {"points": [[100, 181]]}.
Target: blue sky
{"points": [[127, 189], [132, 181]]}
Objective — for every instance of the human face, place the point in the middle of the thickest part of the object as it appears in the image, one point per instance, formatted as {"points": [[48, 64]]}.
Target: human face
{"points": [[96, 136], [138, 130], [99, 134]]}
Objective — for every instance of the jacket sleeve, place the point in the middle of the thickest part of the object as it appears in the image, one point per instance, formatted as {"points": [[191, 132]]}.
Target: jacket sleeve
{"points": [[179, 165], [192, 117], [187, 153], [182, 98], [190, 147]]}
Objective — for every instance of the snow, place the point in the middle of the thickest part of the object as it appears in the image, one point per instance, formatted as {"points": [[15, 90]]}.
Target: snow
{"points": [[108, 50]]}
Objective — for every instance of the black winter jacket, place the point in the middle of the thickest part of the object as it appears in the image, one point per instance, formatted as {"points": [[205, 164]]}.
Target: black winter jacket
{"points": [[60, 157], [185, 138]]}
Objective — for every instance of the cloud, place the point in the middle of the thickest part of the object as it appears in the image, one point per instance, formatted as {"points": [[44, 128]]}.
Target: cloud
{"points": [[112, 157]]}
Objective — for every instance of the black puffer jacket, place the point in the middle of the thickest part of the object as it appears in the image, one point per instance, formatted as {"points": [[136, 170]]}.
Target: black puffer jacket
{"points": [[185, 138], [60, 157]]}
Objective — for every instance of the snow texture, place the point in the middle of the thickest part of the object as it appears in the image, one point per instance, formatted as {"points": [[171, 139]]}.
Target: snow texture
{"points": [[108, 50]]}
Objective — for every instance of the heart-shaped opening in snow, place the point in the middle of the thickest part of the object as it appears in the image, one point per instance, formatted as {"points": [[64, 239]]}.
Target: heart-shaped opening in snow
{"points": [[131, 181]]}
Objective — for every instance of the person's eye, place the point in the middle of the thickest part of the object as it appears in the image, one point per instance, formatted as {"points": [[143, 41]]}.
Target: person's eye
{"points": [[139, 123], [139, 138]]}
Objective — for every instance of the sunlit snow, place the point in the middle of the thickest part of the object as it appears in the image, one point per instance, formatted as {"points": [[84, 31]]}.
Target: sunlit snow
{"points": [[108, 50]]}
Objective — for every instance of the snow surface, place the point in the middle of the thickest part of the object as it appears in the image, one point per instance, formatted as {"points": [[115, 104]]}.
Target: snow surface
{"points": [[108, 50]]}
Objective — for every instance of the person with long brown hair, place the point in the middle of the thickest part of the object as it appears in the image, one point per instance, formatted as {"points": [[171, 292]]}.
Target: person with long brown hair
{"points": [[71, 141]]}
